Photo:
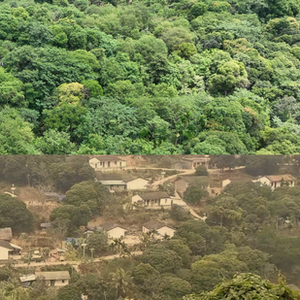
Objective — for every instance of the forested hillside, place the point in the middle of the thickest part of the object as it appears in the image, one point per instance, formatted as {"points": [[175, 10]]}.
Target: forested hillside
{"points": [[149, 77]]}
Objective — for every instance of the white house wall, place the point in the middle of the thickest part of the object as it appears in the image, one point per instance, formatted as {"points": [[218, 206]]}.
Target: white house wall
{"points": [[116, 233], [166, 231], [137, 184], [4, 253], [136, 198]]}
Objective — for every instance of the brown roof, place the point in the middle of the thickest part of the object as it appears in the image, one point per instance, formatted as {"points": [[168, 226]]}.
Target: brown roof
{"points": [[154, 195], [6, 245], [278, 178], [155, 225], [6, 234], [110, 225], [107, 157], [54, 275]]}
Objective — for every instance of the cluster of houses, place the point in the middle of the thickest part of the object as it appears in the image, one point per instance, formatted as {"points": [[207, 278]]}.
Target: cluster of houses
{"points": [[106, 163], [116, 231]]}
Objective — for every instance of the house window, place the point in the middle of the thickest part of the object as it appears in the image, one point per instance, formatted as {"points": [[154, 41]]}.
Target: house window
{"points": [[63, 281], [115, 162], [52, 282], [120, 164], [100, 163]]}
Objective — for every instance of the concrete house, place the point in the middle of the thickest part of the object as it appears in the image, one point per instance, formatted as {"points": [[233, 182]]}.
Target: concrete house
{"points": [[138, 184], [193, 162], [161, 228], [275, 181], [7, 250], [153, 199], [126, 182], [107, 163], [114, 231], [55, 278]]}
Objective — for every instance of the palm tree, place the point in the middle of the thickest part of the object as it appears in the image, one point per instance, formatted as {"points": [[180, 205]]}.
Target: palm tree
{"points": [[122, 283], [121, 247]]}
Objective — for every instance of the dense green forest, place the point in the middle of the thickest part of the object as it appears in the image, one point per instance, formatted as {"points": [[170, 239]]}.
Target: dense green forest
{"points": [[149, 77]]}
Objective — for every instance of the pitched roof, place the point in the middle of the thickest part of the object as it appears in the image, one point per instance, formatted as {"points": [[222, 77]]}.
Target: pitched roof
{"points": [[155, 225], [54, 275], [277, 178], [112, 182], [5, 234], [196, 157], [6, 245], [107, 157], [28, 278], [154, 195], [110, 225]]}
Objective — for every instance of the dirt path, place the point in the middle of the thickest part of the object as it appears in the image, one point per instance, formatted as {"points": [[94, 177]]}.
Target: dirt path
{"points": [[155, 184]]}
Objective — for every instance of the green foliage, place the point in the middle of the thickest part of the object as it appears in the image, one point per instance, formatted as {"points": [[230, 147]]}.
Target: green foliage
{"points": [[14, 214], [93, 194], [142, 60]]}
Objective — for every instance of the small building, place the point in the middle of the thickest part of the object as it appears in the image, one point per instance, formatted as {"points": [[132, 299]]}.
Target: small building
{"points": [[114, 231], [6, 234], [55, 278], [275, 181], [192, 162], [8, 249], [137, 184], [153, 199], [107, 162], [120, 183], [27, 280], [114, 185], [161, 228], [5, 250]]}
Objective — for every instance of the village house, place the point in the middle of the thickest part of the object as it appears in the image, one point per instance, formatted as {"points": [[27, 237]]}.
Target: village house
{"points": [[114, 231], [193, 162], [122, 183], [107, 163], [8, 250], [161, 228], [153, 200], [55, 278], [275, 181]]}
